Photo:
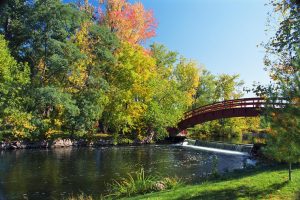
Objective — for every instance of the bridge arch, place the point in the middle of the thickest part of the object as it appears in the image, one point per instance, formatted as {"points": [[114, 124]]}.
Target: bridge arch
{"points": [[245, 107]]}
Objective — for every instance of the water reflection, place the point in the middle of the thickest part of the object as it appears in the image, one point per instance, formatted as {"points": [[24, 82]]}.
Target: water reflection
{"points": [[57, 173]]}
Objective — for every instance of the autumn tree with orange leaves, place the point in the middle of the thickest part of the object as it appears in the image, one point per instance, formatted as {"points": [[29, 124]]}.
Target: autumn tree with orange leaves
{"points": [[131, 22]]}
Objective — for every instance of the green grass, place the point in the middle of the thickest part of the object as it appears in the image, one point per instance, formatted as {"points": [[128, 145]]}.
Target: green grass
{"points": [[253, 184], [257, 183]]}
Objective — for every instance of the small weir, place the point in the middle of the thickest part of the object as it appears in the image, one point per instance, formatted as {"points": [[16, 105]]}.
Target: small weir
{"points": [[227, 148]]}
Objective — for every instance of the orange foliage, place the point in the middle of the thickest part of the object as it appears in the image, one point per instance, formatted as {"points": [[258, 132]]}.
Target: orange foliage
{"points": [[131, 22]]}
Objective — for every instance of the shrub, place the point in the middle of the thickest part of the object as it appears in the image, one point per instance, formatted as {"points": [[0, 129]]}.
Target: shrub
{"points": [[80, 197], [138, 183], [125, 141]]}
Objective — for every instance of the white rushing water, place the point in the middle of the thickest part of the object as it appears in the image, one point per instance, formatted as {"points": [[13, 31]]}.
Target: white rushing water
{"points": [[185, 144]]}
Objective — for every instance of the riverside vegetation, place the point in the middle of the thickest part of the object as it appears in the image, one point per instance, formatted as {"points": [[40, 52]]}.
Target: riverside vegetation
{"points": [[263, 182], [80, 71], [74, 70], [136, 184], [283, 141]]}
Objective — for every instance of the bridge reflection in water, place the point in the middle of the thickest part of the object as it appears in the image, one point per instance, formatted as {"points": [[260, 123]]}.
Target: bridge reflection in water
{"points": [[246, 107]]}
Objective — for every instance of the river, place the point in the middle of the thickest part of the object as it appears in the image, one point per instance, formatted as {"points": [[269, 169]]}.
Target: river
{"points": [[58, 173]]}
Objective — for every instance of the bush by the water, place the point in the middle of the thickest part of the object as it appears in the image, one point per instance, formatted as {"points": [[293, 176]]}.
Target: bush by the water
{"points": [[80, 197], [135, 184], [139, 183]]}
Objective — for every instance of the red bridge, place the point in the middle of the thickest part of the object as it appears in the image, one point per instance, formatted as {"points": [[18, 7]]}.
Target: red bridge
{"points": [[247, 107]]}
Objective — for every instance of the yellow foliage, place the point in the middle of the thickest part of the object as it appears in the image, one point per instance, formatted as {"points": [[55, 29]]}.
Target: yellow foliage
{"points": [[188, 77], [60, 109], [21, 124], [51, 132], [58, 122], [130, 86], [79, 70]]}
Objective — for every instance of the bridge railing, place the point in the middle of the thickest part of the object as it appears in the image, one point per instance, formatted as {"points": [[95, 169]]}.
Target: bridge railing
{"points": [[229, 104]]}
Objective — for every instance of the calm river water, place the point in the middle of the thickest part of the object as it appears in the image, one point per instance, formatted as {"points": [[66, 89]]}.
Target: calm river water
{"points": [[57, 173]]}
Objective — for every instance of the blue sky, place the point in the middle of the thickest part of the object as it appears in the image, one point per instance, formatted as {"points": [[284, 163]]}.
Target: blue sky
{"points": [[222, 35]]}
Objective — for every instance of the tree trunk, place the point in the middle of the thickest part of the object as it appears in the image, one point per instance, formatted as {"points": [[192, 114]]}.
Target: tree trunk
{"points": [[290, 171]]}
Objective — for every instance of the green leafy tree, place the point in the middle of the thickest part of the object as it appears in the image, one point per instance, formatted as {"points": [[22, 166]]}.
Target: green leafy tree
{"points": [[130, 90], [15, 121], [53, 110], [69, 56], [206, 90], [186, 74], [283, 143], [168, 103], [45, 27], [88, 77], [219, 88], [228, 87], [282, 46], [282, 58]]}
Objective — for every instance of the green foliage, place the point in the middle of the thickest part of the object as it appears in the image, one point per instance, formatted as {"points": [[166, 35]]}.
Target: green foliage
{"points": [[45, 27], [139, 183], [262, 183], [283, 143], [80, 197], [80, 79], [258, 183], [228, 87], [215, 162], [54, 110], [213, 89], [14, 80], [281, 48], [206, 90], [283, 60], [125, 141], [168, 101], [68, 56], [187, 76]]}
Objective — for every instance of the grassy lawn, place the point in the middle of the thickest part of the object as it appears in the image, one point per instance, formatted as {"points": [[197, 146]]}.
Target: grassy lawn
{"points": [[253, 184]]}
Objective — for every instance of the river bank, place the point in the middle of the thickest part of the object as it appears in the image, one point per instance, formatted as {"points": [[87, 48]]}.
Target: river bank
{"points": [[262, 182], [257, 183], [94, 142], [64, 143], [58, 143]]}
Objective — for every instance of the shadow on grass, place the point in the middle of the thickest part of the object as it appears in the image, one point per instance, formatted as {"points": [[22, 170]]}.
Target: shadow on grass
{"points": [[298, 195], [236, 193], [242, 173]]}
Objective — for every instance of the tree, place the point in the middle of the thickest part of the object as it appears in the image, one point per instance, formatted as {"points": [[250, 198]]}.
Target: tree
{"points": [[88, 76], [15, 121], [168, 101], [86, 71], [186, 74], [283, 62], [130, 89], [215, 89], [45, 27], [14, 22], [228, 87], [69, 55], [206, 90], [281, 47], [131, 22], [283, 143]]}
